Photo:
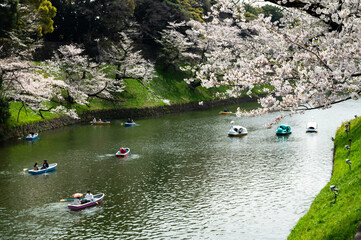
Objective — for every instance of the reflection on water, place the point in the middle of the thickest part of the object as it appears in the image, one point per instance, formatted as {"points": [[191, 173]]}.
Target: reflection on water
{"points": [[185, 178]]}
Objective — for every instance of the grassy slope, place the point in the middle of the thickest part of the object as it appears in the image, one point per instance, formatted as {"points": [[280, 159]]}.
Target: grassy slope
{"points": [[169, 85], [329, 220]]}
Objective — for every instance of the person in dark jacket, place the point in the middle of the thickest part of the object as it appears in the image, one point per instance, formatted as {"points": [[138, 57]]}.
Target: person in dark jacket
{"points": [[45, 164]]}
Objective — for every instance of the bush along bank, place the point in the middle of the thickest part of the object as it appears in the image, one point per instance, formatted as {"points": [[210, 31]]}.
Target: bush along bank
{"points": [[118, 113], [336, 211]]}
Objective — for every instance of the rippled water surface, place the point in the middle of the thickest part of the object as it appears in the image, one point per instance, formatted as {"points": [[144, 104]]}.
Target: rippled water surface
{"points": [[185, 178]]}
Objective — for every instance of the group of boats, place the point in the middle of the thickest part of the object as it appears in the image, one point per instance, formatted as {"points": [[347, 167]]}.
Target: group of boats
{"points": [[128, 123], [122, 152], [282, 129]]}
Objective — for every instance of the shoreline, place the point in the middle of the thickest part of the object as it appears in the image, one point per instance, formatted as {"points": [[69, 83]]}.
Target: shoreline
{"points": [[123, 113]]}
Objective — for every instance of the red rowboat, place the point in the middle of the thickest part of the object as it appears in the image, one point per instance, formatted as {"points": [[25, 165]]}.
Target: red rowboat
{"points": [[127, 152]]}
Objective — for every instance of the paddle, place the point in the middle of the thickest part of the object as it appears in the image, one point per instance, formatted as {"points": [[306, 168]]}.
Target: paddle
{"points": [[68, 200]]}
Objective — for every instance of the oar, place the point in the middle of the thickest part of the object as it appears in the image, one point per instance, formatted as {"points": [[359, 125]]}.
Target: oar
{"points": [[68, 200]]}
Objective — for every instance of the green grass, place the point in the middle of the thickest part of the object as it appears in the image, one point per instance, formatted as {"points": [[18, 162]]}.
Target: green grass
{"points": [[168, 85], [26, 115], [327, 219]]}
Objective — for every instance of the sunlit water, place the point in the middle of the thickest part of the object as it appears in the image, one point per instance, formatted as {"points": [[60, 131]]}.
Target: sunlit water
{"points": [[185, 178]]}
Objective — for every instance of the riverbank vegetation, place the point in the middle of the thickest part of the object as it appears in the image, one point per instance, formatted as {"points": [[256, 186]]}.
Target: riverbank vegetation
{"points": [[330, 218]]}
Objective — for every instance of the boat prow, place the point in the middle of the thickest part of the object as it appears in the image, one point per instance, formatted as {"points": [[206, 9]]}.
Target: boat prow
{"points": [[96, 200]]}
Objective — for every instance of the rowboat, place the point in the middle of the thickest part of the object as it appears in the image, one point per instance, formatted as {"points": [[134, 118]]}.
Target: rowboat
{"points": [[96, 199], [40, 171], [312, 127], [119, 154], [237, 131], [100, 123], [127, 124], [283, 130], [225, 112], [32, 137]]}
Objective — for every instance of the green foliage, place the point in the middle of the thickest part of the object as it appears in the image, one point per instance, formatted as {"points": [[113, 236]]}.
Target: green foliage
{"points": [[8, 15], [4, 105], [268, 10], [327, 219], [25, 115], [275, 12], [4, 111], [46, 12], [191, 8]]}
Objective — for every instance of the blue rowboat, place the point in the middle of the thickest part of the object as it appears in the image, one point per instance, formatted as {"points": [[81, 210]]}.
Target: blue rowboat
{"points": [[32, 137], [40, 171], [127, 124]]}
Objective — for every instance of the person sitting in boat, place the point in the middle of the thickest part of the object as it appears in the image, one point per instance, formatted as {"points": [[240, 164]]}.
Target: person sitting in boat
{"points": [[130, 120], [226, 110], [100, 120], [77, 201], [94, 120], [88, 197], [122, 150], [36, 166], [45, 164], [105, 121]]}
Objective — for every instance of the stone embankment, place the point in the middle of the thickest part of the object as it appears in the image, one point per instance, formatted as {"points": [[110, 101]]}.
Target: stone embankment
{"points": [[109, 114]]}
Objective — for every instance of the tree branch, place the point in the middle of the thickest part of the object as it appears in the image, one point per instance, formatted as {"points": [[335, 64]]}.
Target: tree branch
{"points": [[311, 10]]}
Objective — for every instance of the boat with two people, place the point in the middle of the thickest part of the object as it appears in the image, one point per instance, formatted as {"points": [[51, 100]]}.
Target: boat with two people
{"points": [[123, 152], [129, 123], [79, 204], [32, 136], [43, 169], [283, 129], [237, 131], [100, 122]]}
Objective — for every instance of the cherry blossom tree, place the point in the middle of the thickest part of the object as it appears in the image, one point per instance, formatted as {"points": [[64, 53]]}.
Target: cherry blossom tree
{"points": [[58, 83], [24, 82], [310, 59], [129, 62], [83, 77]]}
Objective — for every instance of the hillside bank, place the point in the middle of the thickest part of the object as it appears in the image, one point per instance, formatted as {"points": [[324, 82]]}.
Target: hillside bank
{"points": [[333, 219], [109, 114]]}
